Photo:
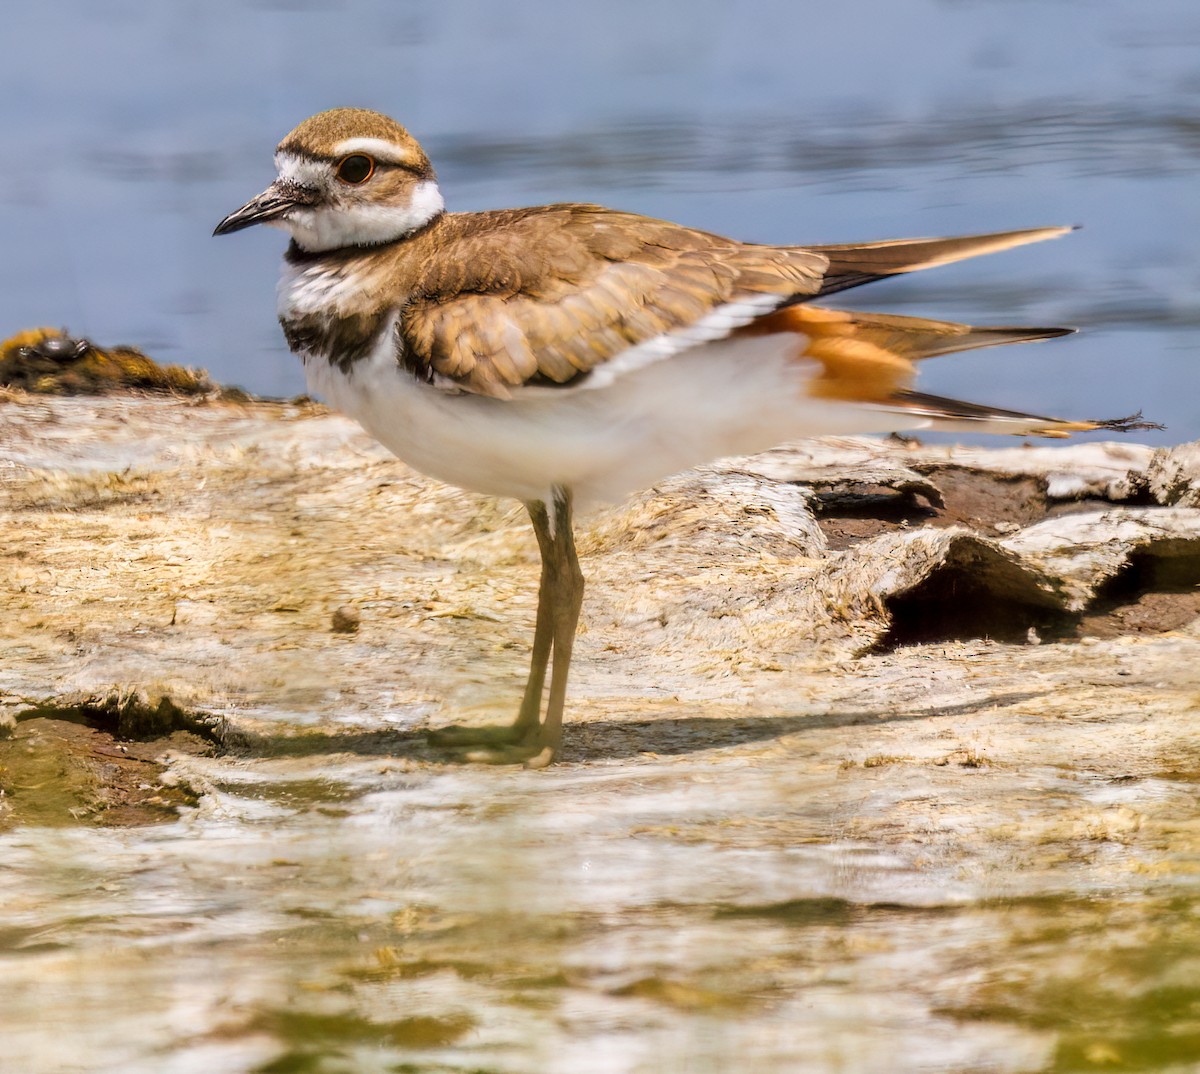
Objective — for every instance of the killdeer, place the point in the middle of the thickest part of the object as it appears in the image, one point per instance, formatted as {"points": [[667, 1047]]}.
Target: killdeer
{"points": [[569, 353]]}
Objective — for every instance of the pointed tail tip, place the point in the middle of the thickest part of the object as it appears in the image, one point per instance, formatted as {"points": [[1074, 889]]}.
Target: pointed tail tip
{"points": [[1037, 234], [1132, 423], [1057, 332], [994, 242]]}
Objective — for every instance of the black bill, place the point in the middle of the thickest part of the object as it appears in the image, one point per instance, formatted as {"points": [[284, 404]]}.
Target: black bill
{"points": [[271, 204]]}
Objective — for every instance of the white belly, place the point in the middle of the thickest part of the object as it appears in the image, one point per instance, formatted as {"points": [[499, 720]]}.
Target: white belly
{"points": [[718, 399]]}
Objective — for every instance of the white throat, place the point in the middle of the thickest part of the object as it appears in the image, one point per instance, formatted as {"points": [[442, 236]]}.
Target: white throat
{"points": [[332, 227]]}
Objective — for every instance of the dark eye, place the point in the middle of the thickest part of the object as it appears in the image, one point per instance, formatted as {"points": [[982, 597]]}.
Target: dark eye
{"points": [[356, 168]]}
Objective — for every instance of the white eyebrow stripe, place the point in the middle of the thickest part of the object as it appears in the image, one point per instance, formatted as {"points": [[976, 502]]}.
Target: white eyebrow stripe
{"points": [[379, 148]]}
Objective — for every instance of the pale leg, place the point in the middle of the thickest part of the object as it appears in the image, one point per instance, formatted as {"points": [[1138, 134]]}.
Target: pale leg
{"points": [[532, 738]]}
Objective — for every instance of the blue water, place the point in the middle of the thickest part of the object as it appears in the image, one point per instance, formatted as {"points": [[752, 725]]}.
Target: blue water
{"points": [[130, 128]]}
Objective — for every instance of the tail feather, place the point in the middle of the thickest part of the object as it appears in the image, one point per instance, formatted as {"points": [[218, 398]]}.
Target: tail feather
{"points": [[957, 415], [912, 338], [854, 264], [921, 338], [869, 357]]}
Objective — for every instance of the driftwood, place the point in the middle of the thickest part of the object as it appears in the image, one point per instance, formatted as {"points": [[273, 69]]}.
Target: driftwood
{"points": [[862, 726], [268, 565]]}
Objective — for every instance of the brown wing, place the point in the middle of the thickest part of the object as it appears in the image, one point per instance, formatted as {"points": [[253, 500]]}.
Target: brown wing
{"points": [[549, 295], [854, 264], [546, 296]]}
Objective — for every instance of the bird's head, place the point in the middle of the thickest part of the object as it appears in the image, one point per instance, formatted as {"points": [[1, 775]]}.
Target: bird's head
{"points": [[347, 177]]}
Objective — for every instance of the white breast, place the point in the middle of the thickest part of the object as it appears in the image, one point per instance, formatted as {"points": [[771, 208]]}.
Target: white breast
{"points": [[716, 399], [306, 289]]}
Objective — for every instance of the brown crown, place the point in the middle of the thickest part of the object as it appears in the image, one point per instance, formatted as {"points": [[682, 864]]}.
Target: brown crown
{"points": [[318, 135]]}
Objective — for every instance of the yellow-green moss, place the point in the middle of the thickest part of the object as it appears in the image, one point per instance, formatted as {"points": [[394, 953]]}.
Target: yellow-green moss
{"points": [[95, 371]]}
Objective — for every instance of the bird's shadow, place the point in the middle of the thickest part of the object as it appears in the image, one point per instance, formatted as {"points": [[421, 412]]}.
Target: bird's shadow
{"points": [[612, 739]]}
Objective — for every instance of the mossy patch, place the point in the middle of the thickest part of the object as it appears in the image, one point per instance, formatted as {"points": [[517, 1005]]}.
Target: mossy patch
{"points": [[1115, 981], [97, 760], [55, 774], [50, 362], [312, 1038]]}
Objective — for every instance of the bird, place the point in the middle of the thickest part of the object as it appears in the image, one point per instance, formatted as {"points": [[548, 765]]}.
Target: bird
{"points": [[569, 354]]}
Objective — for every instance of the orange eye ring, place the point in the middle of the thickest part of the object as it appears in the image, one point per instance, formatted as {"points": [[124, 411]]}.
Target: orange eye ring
{"points": [[355, 169]]}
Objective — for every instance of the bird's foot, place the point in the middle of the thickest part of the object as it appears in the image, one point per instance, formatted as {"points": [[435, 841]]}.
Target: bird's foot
{"points": [[490, 735], [526, 754], [496, 745]]}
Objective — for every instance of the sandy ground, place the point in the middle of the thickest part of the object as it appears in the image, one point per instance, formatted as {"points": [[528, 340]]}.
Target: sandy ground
{"points": [[869, 743]]}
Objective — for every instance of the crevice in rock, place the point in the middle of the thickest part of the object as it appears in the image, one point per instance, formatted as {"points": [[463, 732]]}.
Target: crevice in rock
{"points": [[992, 504], [850, 512], [1157, 590], [975, 592], [129, 717]]}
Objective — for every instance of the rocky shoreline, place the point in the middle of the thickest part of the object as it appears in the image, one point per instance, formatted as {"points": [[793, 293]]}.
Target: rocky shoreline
{"points": [[874, 748], [202, 550]]}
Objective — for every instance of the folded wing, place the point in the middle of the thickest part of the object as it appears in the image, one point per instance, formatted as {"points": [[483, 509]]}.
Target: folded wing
{"points": [[577, 295]]}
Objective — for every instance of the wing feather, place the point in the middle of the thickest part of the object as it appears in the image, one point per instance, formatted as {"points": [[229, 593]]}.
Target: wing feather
{"points": [[551, 295]]}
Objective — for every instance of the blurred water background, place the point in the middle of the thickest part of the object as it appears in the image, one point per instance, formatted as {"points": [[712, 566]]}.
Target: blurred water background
{"points": [[132, 127], [360, 913]]}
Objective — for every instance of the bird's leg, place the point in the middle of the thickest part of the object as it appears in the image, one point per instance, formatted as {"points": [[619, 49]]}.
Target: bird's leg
{"points": [[531, 739], [566, 602], [530, 712]]}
